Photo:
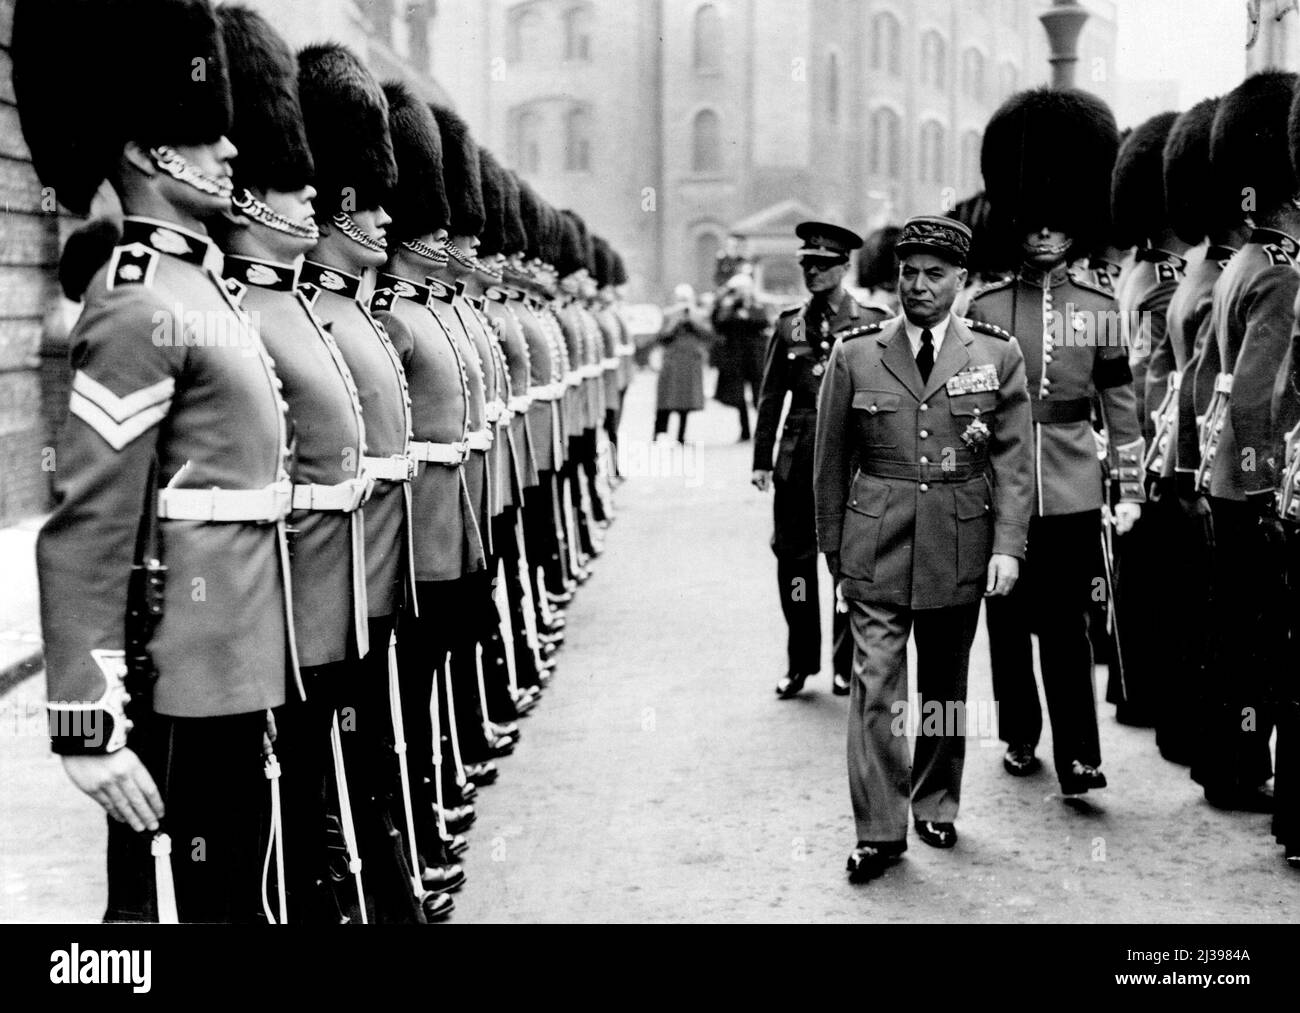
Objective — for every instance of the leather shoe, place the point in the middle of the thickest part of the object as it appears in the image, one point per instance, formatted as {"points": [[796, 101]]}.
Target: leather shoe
{"points": [[483, 774], [459, 818], [437, 907], [1081, 778], [1019, 760], [869, 859], [840, 685], [790, 685], [442, 878], [937, 835], [1246, 800], [455, 844], [501, 729]]}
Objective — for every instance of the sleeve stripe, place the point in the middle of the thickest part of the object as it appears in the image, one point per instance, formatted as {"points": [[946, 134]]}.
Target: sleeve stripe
{"points": [[116, 434], [120, 409]]}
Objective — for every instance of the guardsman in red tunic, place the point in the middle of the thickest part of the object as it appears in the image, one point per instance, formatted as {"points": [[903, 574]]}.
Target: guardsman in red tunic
{"points": [[796, 359], [346, 118], [923, 479], [1142, 594], [448, 546], [1253, 313], [164, 581], [1074, 353], [1172, 460]]}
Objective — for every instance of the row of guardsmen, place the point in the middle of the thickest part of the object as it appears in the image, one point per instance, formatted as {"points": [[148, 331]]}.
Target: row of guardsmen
{"points": [[329, 474], [1202, 272]]}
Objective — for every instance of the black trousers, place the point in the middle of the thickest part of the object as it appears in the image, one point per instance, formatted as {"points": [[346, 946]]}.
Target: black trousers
{"points": [[573, 473], [613, 416], [209, 772], [542, 533], [1051, 599], [1246, 648], [591, 469], [1286, 781], [661, 424], [1144, 607], [507, 542]]}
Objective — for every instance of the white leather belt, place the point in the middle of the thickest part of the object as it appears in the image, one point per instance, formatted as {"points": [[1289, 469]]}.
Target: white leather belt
{"points": [[479, 439], [438, 453], [592, 371], [341, 499], [1175, 380], [492, 411], [1223, 383], [397, 468], [267, 505], [609, 363], [520, 403], [573, 379]]}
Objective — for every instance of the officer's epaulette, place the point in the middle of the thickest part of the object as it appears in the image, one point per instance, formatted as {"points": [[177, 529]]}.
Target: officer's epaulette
{"points": [[1082, 279], [1278, 256], [856, 332], [984, 327], [991, 286], [134, 264]]}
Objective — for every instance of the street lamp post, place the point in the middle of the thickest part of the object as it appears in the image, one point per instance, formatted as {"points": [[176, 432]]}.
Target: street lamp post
{"points": [[1064, 22]]}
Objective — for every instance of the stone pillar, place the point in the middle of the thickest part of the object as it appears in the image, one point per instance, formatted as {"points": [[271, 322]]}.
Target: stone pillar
{"points": [[1063, 23]]}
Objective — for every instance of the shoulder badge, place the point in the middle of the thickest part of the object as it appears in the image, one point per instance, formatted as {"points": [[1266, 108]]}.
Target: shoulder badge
{"points": [[1278, 256], [992, 286], [1168, 271], [1088, 283], [382, 300], [983, 327], [135, 264], [857, 332]]}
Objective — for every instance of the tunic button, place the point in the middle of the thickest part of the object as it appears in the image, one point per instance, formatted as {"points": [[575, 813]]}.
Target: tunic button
{"points": [[924, 487], [790, 356], [925, 407], [925, 434], [872, 409], [925, 460]]}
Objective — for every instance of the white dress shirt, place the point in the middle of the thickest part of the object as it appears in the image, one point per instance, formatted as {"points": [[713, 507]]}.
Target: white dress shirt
{"points": [[937, 332]]}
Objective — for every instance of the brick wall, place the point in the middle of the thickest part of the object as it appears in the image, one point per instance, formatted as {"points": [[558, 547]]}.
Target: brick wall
{"points": [[33, 377]]}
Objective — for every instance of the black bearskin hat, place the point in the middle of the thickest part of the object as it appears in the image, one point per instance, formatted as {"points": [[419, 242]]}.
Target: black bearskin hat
{"points": [[90, 75], [460, 172], [1250, 154], [1047, 158], [1137, 192], [516, 234], [532, 217], [346, 116], [418, 203], [267, 127], [618, 272], [1188, 190], [492, 240], [573, 248], [877, 262], [602, 261], [992, 250]]}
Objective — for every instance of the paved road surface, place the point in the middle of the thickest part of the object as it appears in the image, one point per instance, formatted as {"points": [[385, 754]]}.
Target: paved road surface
{"points": [[660, 780]]}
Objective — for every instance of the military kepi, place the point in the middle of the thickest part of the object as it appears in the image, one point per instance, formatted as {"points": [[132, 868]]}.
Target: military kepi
{"points": [[826, 242], [944, 237]]}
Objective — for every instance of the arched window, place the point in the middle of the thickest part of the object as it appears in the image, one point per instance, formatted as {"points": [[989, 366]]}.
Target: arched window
{"points": [[970, 161], [577, 33], [526, 35], [833, 87], [934, 60], [707, 245], [1009, 80], [932, 145], [528, 141], [885, 36], [972, 74], [885, 154], [577, 140], [708, 40], [706, 142]]}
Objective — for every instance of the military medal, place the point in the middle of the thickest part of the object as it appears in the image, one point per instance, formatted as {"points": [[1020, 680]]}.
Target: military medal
{"points": [[974, 381], [976, 434]]}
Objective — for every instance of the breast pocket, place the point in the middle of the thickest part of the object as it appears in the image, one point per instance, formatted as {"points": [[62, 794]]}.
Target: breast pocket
{"points": [[973, 502], [983, 403], [860, 534], [877, 415]]}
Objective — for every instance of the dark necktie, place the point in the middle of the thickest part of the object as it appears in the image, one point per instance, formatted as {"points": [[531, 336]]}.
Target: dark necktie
{"points": [[925, 357]]}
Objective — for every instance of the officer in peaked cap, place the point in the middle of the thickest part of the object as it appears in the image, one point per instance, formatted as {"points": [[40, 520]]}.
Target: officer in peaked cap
{"points": [[169, 538], [1064, 323], [1200, 218], [923, 495], [1252, 315], [795, 362], [346, 119]]}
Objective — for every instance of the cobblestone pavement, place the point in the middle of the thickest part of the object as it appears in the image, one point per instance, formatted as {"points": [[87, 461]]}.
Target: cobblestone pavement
{"points": [[660, 779]]}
